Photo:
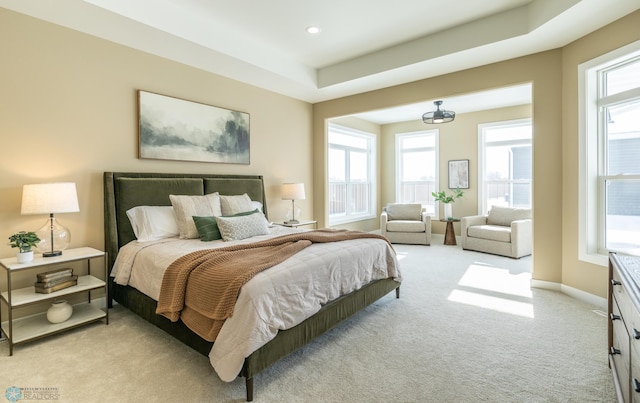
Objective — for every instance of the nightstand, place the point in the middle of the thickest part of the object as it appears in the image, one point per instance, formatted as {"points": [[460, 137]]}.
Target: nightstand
{"points": [[299, 224], [33, 327]]}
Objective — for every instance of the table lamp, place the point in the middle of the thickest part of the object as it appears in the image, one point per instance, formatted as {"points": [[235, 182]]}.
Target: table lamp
{"points": [[51, 198], [293, 192]]}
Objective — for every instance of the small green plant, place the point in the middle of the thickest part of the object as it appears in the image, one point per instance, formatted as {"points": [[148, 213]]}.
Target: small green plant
{"points": [[444, 198], [24, 241]]}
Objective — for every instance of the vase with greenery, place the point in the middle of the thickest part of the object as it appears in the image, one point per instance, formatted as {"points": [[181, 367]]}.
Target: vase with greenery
{"points": [[447, 199], [24, 241]]}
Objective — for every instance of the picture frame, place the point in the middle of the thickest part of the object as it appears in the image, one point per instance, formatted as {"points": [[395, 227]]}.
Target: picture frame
{"points": [[176, 129], [459, 174]]}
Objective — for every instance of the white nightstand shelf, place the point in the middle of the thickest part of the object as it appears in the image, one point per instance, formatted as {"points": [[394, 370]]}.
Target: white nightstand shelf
{"points": [[36, 326], [23, 329], [28, 295]]}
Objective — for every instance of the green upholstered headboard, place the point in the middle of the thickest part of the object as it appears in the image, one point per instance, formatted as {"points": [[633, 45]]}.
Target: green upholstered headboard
{"points": [[124, 190]]}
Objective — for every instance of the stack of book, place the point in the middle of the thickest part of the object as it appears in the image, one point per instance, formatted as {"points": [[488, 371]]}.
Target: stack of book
{"points": [[55, 280]]}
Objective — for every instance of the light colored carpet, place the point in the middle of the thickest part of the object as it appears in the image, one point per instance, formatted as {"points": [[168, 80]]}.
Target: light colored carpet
{"points": [[466, 328]]}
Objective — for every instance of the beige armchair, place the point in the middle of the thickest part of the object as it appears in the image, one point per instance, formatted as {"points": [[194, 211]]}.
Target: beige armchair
{"points": [[406, 223], [504, 231]]}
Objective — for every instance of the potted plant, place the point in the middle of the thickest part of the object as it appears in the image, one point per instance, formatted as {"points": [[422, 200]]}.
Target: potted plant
{"points": [[447, 200], [24, 241]]}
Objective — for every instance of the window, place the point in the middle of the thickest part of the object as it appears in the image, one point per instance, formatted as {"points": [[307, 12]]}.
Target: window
{"points": [[351, 175], [417, 162], [609, 184], [505, 168]]}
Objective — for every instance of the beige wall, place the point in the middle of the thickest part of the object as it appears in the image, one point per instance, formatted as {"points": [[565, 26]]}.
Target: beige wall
{"points": [[458, 140], [575, 273], [68, 113]]}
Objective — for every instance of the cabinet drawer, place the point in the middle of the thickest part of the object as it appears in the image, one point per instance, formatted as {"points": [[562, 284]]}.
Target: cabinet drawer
{"points": [[622, 356], [631, 319], [635, 371], [627, 310], [632, 322]]}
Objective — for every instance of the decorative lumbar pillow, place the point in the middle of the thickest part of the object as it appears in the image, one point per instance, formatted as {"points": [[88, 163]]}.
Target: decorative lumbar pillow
{"points": [[404, 211], [242, 226], [505, 215], [186, 207], [153, 222], [231, 205], [208, 226]]}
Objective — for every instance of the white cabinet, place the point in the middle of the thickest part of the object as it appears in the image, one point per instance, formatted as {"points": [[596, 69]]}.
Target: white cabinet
{"points": [[32, 327]]}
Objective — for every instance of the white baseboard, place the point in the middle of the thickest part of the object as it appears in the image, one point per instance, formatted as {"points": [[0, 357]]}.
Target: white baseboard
{"points": [[572, 292], [546, 285]]}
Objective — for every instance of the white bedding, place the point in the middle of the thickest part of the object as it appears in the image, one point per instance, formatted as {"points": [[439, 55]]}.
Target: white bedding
{"points": [[275, 299]]}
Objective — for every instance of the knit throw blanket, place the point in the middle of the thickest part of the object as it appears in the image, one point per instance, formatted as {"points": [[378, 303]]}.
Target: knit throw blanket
{"points": [[201, 287]]}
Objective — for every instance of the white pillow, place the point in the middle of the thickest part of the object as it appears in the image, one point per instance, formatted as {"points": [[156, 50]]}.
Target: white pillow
{"points": [[241, 227], [257, 205], [231, 205], [153, 222], [186, 207]]}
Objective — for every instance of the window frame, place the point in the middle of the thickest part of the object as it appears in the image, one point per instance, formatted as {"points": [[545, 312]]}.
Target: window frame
{"points": [[592, 150], [371, 153], [482, 199], [399, 166]]}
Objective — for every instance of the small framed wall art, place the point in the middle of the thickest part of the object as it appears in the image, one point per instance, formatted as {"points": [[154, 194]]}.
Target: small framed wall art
{"points": [[459, 174], [176, 129]]}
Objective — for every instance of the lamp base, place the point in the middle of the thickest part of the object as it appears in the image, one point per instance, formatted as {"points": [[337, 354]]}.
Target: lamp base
{"points": [[54, 238], [292, 222], [52, 253]]}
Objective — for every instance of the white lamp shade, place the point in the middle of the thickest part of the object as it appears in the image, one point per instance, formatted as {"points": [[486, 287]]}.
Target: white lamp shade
{"points": [[46, 198], [293, 191]]}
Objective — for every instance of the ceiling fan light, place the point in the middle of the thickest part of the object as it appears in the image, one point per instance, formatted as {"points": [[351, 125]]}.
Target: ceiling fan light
{"points": [[438, 116]]}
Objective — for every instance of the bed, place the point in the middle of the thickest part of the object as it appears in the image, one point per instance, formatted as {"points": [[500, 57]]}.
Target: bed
{"points": [[124, 190]]}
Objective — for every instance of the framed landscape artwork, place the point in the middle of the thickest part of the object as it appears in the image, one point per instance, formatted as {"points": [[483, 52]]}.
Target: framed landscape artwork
{"points": [[176, 129], [459, 174]]}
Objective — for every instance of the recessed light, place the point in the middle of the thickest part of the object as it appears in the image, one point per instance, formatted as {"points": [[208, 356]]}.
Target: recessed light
{"points": [[313, 30]]}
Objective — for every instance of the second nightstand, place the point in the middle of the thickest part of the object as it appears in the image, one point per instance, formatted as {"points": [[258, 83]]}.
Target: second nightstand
{"points": [[298, 224]]}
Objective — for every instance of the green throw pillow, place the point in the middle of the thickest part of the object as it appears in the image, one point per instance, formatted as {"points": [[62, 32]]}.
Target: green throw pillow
{"points": [[208, 227]]}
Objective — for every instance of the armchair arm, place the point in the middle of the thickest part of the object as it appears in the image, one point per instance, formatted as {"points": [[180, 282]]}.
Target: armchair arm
{"points": [[521, 237], [473, 220], [426, 219], [383, 223], [466, 222]]}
